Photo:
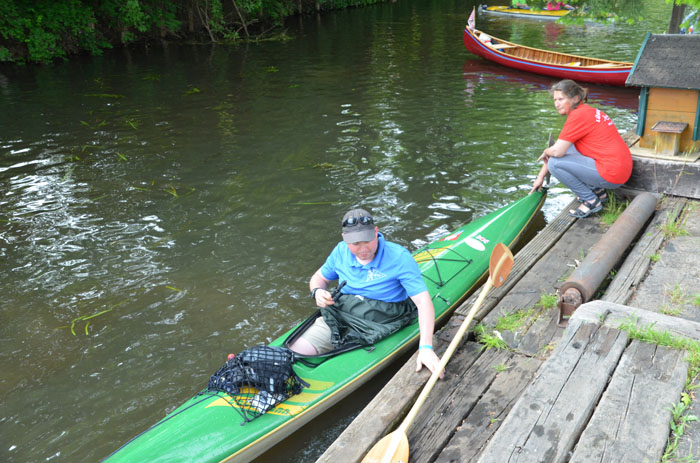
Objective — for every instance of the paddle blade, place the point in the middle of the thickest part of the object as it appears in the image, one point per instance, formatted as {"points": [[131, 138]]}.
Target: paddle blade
{"points": [[500, 264], [382, 452]]}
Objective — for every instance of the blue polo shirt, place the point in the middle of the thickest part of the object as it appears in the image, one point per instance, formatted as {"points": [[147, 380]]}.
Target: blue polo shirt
{"points": [[392, 276]]}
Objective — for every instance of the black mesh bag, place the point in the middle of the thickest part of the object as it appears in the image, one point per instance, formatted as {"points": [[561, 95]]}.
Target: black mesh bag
{"points": [[257, 379]]}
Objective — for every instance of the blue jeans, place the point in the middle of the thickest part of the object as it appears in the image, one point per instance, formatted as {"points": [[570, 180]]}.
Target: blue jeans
{"points": [[578, 172]]}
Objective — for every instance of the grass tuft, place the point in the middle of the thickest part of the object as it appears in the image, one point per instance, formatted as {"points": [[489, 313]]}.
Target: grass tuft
{"points": [[489, 340], [613, 209], [673, 228]]}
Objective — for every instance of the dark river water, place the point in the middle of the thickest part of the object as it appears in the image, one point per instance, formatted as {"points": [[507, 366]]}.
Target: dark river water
{"points": [[161, 207]]}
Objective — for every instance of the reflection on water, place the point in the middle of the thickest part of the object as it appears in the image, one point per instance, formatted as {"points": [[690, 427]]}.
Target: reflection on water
{"points": [[163, 207]]}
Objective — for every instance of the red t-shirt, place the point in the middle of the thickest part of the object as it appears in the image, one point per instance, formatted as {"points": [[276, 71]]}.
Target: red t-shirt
{"points": [[594, 135]]}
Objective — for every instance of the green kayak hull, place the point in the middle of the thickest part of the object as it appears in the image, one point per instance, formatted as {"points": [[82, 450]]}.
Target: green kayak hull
{"points": [[208, 428]]}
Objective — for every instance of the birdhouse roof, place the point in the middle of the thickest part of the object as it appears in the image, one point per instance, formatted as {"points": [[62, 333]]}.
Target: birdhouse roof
{"points": [[668, 60]]}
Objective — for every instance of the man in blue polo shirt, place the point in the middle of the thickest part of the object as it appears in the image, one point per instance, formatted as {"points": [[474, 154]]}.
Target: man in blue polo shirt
{"points": [[383, 291]]}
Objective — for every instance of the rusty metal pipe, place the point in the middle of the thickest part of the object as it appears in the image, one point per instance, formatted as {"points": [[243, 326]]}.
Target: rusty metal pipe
{"points": [[583, 283]]}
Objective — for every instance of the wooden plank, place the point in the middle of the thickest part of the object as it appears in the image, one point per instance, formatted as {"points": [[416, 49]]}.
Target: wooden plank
{"points": [[616, 314], [673, 281], [638, 261], [471, 435], [553, 411], [544, 333], [382, 414], [666, 177], [631, 422], [468, 375]]}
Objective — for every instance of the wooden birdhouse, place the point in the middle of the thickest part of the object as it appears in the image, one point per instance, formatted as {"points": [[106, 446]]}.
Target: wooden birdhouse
{"points": [[667, 69]]}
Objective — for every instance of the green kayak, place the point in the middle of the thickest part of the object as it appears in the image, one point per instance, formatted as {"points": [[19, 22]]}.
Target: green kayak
{"points": [[208, 428]]}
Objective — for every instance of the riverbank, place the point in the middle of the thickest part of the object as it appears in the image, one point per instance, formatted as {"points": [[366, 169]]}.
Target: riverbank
{"points": [[552, 391], [45, 31]]}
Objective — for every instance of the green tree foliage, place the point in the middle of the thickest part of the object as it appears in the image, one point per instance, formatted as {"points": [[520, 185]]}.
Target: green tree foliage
{"points": [[628, 11], [42, 30], [690, 14]]}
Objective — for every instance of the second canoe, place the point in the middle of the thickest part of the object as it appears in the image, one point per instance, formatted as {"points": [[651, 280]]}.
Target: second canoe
{"points": [[549, 63], [532, 13]]}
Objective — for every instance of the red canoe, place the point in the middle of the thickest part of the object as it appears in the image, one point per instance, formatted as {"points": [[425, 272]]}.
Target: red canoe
{"points": [[549, 63]]}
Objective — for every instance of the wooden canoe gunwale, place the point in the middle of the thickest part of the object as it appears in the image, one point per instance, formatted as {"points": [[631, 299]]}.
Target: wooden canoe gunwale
{"points": [[563, 58]]}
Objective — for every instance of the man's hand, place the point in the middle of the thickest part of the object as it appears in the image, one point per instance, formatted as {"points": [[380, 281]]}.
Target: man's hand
{"points": [[323, 298], [430, 359]]}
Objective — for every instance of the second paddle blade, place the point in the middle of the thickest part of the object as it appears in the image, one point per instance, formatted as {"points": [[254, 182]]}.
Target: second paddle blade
{"points": [[498, 273], [382, 451]]}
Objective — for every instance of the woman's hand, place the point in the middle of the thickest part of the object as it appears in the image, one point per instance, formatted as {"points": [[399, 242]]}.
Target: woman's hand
{"points": [[537, 184], [539, 181]]}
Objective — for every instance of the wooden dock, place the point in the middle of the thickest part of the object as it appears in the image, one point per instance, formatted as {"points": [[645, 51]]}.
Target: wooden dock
{"points": [[590, 392]]}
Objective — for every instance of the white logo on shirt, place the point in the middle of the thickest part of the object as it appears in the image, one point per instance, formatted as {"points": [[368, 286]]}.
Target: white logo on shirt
{"points": [[601, 116], [374, 274]]}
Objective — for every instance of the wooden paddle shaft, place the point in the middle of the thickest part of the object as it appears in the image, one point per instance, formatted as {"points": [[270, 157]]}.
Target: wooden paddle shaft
{"points": [[400, 432], [446, 357]]}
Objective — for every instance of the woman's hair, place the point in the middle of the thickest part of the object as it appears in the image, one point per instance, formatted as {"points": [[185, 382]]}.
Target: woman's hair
{"points": [[571, 89]]}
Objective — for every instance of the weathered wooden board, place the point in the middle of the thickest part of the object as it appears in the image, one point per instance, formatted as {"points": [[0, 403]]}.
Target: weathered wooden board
{"points": [[546, 421], [637, 263], [673, 281], [667, 177], [541, 337], [631, 422], [471, 435], [617, 314], [467, 377], [382, 414], [670, 286]]}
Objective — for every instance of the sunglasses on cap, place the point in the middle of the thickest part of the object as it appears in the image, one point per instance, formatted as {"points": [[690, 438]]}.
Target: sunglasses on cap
{"points": [[362, 220]]}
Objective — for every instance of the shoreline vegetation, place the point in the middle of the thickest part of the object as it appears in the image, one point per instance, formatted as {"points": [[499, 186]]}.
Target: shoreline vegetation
{"points": [[42, 31]]}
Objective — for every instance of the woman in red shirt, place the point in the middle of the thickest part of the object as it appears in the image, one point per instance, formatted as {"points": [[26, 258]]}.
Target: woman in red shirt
{"points": [[589, 156]]}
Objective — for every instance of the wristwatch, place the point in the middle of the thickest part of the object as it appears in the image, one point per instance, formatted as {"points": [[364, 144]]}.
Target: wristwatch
{"points": [[313, 292]]}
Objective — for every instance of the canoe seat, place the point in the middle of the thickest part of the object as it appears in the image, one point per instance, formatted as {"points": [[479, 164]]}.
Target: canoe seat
{"points": [[604, 65], [501, 46]]}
